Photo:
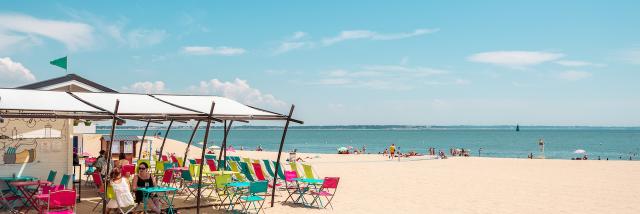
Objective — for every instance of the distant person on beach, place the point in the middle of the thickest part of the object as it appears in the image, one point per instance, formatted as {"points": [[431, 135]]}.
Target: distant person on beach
{"points": [[392, 150], [386, 151], [364, 149]]}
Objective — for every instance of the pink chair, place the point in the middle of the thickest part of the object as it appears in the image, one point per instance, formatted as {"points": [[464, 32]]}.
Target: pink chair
{"points": [[61, 202], [328, 190], [167, 178], [257, 168], [165, 158], [128, 170], [198, 161], [212, 165], [97, 181], [291, 184], [46, 190], [174, 159]]}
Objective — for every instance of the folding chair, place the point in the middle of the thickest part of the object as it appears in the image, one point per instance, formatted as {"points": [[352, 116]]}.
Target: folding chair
{"points": [[253, 198], [63, 201], [220, 187], [111, 195], [52, 176], [190, 185], [65, 180], [329, 183], [294, 167], [97, 180], [244, 169], [128, 170], [290, 185], [88, 173], [180, 160]]}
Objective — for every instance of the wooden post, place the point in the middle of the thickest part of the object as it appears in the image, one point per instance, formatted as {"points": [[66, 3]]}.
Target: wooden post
{"points": [[184, 161], [204, 146], [224, 142], [164, 140], [105, 181], [284, 135], [142, 142]]}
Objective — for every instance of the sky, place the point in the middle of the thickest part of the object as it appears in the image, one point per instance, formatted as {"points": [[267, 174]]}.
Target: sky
{"points": [[349, 62]]}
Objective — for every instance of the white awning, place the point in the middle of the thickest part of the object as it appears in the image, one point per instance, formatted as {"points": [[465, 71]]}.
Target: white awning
{"points": [[131, 103], [224, 106], [22, 103], [34, 100]]}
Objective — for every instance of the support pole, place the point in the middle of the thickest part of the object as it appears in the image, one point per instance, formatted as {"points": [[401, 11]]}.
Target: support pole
{"points": [[105, 181], [204, 146], [142, 142], [184, 161], [164, 140], [284, 135], [223, 149]]}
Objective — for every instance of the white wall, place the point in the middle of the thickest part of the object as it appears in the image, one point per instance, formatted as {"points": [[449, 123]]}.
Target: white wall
{"points": [[36, 156]]}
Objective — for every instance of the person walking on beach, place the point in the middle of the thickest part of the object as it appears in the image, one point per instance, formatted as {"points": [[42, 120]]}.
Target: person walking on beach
{"points": [[392, 150]]}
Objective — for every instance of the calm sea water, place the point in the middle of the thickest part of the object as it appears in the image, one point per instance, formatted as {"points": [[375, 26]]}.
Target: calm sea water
{"points": [[559, 143]]}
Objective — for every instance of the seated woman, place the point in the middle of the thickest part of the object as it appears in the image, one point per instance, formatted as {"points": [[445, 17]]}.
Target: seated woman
{"points": [[122, 192], [144, 179]]}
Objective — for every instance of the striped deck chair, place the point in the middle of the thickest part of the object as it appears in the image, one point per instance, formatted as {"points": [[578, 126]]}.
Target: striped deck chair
{"points": [[294, 167], [244, 169], [267, 166]]}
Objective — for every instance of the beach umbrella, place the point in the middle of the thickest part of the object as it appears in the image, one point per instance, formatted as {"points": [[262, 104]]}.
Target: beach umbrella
{"points": [[580, 151]]}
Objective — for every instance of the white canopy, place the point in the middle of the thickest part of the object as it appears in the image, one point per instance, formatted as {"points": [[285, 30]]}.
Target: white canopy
{"points": [[21, 103]]}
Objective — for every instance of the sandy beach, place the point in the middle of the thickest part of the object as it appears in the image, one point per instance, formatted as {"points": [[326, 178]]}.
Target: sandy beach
{"points": [[375, 184]]}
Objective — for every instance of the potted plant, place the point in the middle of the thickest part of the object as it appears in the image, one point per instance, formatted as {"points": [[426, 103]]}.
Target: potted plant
{"points": [[87, 122]]}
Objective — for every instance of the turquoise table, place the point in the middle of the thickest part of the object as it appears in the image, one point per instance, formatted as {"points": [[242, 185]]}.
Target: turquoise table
{"points": [[235, 194], [8, 180], [147, 191], [302, 190]]}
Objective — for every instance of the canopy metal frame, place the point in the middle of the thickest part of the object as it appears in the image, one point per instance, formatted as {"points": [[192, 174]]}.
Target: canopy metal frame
{"points": [[115, 116]]}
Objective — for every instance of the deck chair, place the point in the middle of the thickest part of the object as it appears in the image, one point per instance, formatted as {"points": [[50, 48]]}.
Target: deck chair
{"points": [[87, 173], [97, 181], [180, 161], [165, 158], [234, 166], [52, 176], [190, 185], [255, 188], [294, 167], [210, 156], [111, 195], [174, 159], [328, 191], [220, 187], [128, 170], [290, 185], [192, 161], [159, 172], [309, 172], [65, 180], [244, 169], [167, 178], [267, 166], [260, 176], [63, 201]]}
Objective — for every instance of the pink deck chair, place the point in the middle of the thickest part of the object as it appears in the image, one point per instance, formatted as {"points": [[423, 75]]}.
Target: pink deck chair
{"points": [[328, 191], [167, 178], [198, 161], [174, 159], [165, 158], [97, 181], [61, 202], [128, 170], [291, 185]]}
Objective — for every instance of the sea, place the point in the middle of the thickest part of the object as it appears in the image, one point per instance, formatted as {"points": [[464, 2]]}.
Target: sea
{"points": [[613, 143]]}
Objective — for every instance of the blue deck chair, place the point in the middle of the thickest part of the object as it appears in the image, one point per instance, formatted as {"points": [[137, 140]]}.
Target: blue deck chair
{"points": [[65, 181]]}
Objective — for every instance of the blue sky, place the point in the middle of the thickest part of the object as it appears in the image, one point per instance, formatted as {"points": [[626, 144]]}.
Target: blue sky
{"points": [[356, 62]]}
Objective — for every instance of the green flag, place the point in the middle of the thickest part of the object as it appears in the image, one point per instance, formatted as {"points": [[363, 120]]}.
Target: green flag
{"points": [[62, 62]]}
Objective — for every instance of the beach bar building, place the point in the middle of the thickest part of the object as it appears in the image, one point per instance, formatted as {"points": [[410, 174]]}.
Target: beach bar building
{"points": [[27, 110], [122, 144]]}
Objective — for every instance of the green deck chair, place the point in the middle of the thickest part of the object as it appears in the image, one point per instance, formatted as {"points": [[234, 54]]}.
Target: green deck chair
{"points": [[65, 180], [52, 176], [267, 165], [294, 167]]}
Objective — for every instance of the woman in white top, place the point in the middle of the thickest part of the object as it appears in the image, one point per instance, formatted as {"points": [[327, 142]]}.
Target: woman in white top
{"points": [[121, 191]]}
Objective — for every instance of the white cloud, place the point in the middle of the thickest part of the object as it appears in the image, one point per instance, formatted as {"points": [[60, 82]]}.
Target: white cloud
{"points": [[18, 28], [576, 63], [631, 56], [453, 82], [293, 42], [515, 59], [144, 37], [574, 75], [393, 77], [14, 73], [372, 35], [238, 90], [206, 50], [146, 87]]}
